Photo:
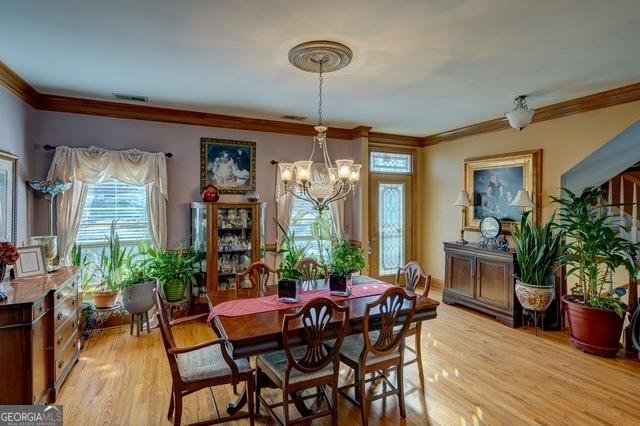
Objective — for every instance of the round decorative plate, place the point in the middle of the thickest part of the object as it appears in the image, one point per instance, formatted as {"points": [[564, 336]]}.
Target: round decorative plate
{"points": [[490, 227]]}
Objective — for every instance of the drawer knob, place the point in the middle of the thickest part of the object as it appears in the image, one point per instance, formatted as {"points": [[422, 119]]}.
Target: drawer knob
{"points": [[40, 308], [49, 348], [73, 302], [73, 324], [60, 315], [61, 364], [58, 296], [59, 340]]}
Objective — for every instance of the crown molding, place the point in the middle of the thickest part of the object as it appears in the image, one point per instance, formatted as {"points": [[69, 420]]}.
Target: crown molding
{"points": [[16, 85], [617, 96], [24, 91]]}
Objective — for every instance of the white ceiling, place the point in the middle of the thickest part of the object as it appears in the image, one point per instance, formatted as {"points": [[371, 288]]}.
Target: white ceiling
{"points": [[419, 67]]}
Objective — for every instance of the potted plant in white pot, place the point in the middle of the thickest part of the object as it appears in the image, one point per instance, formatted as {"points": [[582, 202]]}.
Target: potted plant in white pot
{"points": [[174, 270], [110, 267], [346, 259], [137, 287], [594, 250], [538, 250]]}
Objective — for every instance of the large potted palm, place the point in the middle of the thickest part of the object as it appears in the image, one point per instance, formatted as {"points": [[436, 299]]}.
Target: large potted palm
{"points": [[538, 250], [594, 250]]}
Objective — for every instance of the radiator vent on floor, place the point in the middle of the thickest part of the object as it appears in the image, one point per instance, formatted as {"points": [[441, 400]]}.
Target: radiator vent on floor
{"points": [[130, 98]]}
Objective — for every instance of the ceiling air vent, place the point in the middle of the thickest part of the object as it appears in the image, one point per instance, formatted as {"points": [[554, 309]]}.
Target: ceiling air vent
{"points": [[130, 98], [294, 117]]}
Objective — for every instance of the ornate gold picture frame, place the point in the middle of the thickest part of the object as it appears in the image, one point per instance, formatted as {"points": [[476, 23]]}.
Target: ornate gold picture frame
{"points": [[493, 181], [228, 165]]}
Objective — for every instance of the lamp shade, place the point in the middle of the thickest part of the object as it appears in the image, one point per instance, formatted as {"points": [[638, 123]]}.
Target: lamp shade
{"points": [[522, 199], [462, 200], [520, 118]]}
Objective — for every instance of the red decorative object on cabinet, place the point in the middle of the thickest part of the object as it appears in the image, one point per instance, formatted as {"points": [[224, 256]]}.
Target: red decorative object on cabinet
{"points": [[210, 194]]}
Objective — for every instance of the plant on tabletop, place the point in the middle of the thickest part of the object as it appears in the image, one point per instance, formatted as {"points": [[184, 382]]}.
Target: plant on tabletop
{"points": [[289, 284], [594, 250], [346, 259]]}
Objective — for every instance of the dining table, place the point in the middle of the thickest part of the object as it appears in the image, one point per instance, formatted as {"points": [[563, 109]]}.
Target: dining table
{"points": [[251, 319]]}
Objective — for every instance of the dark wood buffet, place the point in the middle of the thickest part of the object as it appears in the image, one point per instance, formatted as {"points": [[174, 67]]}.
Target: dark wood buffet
{"points": [[482, 279], [39, 336]]}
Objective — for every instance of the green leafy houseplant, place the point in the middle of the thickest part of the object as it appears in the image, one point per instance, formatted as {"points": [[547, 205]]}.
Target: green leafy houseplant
{"points": [[173, 269], [79, 258], [538, 250], [111, 268], [346, 259], [594, 248], [291, 255]]}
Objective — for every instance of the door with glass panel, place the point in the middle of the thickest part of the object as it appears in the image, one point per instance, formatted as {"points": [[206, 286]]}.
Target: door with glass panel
{"points": [[390, 216]]}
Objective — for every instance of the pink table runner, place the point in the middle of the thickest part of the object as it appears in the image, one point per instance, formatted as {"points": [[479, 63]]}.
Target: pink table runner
{"points": [[258, 305]]}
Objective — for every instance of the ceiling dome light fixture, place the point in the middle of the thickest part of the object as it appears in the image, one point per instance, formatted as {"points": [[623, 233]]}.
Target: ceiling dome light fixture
{"points": [[521, 116], [323, 182]]}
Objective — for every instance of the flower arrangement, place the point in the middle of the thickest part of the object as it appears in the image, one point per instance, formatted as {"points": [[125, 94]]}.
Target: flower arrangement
{"points": [[8, 254]]}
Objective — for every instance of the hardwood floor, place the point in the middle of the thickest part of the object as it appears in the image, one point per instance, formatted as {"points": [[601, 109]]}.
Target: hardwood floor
{"points": [[477, 371]]}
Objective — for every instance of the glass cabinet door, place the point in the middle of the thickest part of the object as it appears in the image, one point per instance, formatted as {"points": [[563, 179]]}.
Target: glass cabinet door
{"points": [[235, 244]]}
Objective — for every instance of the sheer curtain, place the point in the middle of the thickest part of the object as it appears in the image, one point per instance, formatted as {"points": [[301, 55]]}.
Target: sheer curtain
{"points": [[94, 165]]}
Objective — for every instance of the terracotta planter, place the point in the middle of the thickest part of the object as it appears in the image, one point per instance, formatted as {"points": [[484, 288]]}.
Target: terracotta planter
{"points": [[105, 298], [593, 330], [534, 298]]}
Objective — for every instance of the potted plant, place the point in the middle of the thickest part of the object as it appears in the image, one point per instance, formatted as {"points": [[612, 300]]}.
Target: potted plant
{"points": [[594, 250], [290, 282], [137, 287], [537, 251], [110, 267], [345, 260], [174, 270]]}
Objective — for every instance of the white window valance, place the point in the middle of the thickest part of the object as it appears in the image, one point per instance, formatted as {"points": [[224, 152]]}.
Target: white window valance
{"points": [[83, 166]]}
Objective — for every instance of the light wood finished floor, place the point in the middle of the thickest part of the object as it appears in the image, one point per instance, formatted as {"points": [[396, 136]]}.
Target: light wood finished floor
{"points": [[477, 371]]}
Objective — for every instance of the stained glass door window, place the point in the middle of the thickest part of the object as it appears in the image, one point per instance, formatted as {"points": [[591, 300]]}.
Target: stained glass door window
{"points": [[391, 226]]}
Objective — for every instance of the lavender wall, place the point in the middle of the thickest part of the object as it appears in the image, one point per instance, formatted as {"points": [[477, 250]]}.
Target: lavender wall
{"points": [[17, 124], [183, 141]]}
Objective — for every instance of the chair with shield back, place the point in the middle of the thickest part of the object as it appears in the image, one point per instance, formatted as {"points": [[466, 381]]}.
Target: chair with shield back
{"points": [[257, 275], [201, 366], [313, 270], [311, 339], [379, 349], [414, 277]]}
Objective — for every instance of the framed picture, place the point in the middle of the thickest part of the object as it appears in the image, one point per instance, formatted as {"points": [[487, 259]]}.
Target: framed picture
{"points": [[492, 183], [228, 165], [8, 196], [31, 262]]}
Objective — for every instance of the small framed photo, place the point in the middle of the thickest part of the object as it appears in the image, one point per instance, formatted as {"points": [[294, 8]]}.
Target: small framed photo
{"points": [[31, 262]]}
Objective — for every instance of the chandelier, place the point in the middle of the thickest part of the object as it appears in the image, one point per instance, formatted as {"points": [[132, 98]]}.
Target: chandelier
{"points": [[320, 183]]}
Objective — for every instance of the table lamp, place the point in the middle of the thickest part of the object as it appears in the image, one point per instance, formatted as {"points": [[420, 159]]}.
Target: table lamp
{"points": [[522, 201], [462, 201]]}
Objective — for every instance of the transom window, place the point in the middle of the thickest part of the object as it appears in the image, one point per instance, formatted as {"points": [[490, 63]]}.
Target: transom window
{"points": [[390, 162], [109, 201]]}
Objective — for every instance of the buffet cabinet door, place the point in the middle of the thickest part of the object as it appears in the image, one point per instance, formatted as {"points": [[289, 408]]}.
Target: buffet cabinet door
{"points": [[494, 280], [461, 274], [40, 359]]}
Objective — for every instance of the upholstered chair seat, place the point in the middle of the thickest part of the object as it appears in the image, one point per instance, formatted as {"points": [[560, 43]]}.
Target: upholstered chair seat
{"points": [[207, 363], [276, 362]]}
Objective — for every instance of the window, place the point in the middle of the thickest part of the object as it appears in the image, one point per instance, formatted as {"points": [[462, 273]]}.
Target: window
{"points": [[390, 162], [109, 201], [310, 230]]}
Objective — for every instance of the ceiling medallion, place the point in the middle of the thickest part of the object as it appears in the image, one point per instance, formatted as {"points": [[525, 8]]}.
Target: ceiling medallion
{"points": [[320, 183]]}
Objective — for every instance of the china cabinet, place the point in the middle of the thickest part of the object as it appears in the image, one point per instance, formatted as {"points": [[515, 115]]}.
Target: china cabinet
{"points": [[233, 235]]}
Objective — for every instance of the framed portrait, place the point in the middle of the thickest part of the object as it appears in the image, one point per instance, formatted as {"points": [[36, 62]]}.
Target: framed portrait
{"points": [[492, 182], [8, 196], [228, 165], [31, 262]]}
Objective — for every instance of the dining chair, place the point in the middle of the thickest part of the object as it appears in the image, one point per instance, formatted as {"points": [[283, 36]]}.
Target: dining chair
{"points": [[376, 351], [313, 270], [307, 361], [200, 367], [414, 276], [258, 274]]}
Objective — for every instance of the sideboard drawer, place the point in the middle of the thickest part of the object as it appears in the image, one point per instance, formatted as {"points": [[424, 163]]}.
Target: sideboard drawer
{"points": [[67, 331], [68, 354], [65, 290], [39, 307], [64, 310]]}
